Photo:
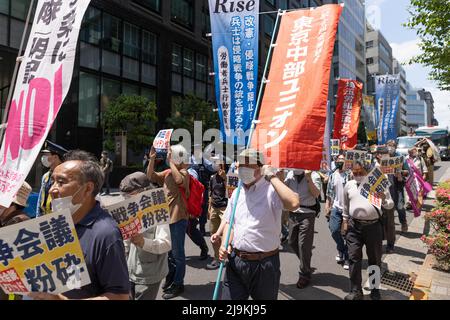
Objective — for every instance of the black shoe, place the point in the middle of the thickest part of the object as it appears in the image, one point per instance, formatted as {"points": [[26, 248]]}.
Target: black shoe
{"points": [[173, 291], [375, 294], [213, 265], [354, 296], [389, 249], [204, 253], [166, 285]]}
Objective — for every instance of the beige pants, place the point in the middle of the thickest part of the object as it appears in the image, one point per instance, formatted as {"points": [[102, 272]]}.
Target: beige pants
{"points": [[215, 218]]}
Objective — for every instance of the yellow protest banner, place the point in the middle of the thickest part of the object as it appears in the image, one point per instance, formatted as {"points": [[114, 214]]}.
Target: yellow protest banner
{"points": [[375, 182], [42, 255], [140, 212]]}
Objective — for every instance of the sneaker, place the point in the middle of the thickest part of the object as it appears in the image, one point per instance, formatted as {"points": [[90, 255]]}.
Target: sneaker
{"points": [[302, 282], [375, 294], [173, 291], [213, 265], [204, 254], [346, 265], [340, 259], [354, 296], [404, 227]]}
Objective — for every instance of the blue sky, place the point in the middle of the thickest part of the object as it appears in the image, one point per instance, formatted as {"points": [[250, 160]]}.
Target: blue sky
{"points": [[388, 16]]}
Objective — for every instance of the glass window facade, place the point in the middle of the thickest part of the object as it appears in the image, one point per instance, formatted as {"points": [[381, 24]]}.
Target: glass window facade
{"points": [[19, 8], [149, 46], [269, 24], [88, 100], [91, 28], [154, 5], [182, 12], [4, 6], [111, 33], [130, 40]]}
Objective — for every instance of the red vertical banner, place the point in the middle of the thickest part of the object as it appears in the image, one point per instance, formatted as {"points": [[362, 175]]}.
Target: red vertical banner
{"points": [[291, 125], [348, 111]]}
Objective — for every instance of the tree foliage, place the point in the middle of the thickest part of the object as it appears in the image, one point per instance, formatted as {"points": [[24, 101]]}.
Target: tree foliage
{"points": [[134, 114], [189, 109], [431, 20]]}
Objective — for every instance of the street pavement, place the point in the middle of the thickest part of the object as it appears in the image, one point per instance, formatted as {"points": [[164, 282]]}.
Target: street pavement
{"points": [[329, 281]]}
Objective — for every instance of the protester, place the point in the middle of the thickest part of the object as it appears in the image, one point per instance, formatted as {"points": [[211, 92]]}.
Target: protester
{"points": [[334, 208], [397, 187], [218, 202], [107, 166], [172, 181], [418, 161], [76, 183], [307, 185], [147, 258], [428, 156], [362, 226], [253, 268], [12, 215], [52, 157], [324, 176]]}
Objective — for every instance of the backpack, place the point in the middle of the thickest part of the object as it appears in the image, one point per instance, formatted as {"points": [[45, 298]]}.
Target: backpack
{"points": [[195, 201]]}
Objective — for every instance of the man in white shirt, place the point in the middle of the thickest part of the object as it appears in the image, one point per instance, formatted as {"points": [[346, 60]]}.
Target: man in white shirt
{"points": [[253, 268]]}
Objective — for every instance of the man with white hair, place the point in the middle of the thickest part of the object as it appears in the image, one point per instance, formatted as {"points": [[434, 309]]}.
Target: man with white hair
{"points": [[172, 180]]}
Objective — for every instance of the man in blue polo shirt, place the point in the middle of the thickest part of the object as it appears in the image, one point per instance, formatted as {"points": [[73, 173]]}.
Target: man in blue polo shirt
{"points": [[76, 183]]}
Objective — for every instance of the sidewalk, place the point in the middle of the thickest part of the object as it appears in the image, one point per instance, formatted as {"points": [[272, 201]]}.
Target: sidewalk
{"points": [[410, 274]]}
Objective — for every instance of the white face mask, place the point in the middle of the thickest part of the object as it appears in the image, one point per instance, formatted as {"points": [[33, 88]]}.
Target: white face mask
{"points": [[59, 204], [247, 175], [45, 162]]}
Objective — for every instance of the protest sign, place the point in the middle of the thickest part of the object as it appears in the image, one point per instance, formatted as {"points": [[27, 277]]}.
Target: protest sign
{"points": [[416, 188], [235, 44], [292, 119], [162, 141], [335, 147], [42, 83], [375, 182], [391, 165], [232, 183], [348, 110], [42, 255], [369, 117], [140, 212], [351, 156]]}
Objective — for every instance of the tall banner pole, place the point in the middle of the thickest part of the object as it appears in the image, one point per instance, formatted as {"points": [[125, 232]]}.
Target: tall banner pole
{"points": [[16, 69], [252, 129]]}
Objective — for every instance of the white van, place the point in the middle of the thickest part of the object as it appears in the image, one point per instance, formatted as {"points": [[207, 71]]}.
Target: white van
{"points": [[407, 142]]}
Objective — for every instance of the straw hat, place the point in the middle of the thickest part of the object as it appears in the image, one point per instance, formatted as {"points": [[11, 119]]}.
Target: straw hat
{"points": [[22, 195]]}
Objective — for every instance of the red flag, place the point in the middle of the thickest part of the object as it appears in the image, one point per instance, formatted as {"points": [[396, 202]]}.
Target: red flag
{"points": [[292, 118], [348, 110]]}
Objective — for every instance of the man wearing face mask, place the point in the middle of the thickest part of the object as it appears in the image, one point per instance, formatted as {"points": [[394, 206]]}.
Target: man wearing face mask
{"points": [[334, 207], [253, 268], [76, 183], [307, 185], [362, 226], [52, 157]]}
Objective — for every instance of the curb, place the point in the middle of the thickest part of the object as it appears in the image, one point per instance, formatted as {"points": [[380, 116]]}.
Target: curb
{"points": [[422, 285]]}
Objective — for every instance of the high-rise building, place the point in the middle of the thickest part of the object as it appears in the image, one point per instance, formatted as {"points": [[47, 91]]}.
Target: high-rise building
{"points": [[402, 123], [428, 98], [416, 107]]}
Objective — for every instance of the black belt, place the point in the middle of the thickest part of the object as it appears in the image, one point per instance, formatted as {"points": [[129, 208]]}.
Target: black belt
{"points": [[366, 222]]}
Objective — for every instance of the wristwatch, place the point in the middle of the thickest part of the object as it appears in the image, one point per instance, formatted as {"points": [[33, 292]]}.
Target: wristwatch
{"points": [[269, 174]]}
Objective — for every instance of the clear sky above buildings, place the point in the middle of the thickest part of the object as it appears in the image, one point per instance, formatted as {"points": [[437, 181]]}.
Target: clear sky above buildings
{"points": [[388, 16]]}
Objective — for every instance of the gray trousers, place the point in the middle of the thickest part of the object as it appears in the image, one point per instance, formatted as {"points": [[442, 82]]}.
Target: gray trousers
{"points": [[359, 235], [301, 238], [144, 291]]}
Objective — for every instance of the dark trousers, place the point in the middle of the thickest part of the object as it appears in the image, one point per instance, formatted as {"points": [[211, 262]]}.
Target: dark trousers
{"points": [[177, 257], [106, 183], [357, 236], [389, 227], [195, 234], [398, 196], [258, 279], [301, 238], [203, 219]]}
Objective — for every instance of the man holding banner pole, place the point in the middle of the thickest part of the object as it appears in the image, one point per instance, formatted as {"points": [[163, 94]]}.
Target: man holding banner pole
{"points": [[253, 268]]}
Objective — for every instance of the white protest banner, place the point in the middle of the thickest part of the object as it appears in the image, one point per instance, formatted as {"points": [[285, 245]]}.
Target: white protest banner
{"points": [[335, 147], [351, 156], [391, 165], [232, 183], [140, 212], [375, 182], [42, 83], [162, 140], [42, 255]]}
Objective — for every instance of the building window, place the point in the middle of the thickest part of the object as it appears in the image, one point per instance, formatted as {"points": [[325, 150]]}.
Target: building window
{"points": [[149, 47], [188, 63], [111, 62], [131, 40], [130, 89], [110, 91], [89, 56], [369, 44], [92, 26], [150, 94], [176, 58], [154, 5], [369, 60], [269, 25], [206, 22], [271, 2], [283, 4], [3, 30], [200, 67], [182, 11], [111, 33], [17, 28], [19, 8], [88, 101], [4, 6], [130, 69]]}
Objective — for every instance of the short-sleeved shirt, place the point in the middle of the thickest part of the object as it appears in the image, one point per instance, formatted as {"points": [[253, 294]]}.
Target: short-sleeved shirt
{"points": [[299, 184], [217, 186], [257, 221], [104, 254]]}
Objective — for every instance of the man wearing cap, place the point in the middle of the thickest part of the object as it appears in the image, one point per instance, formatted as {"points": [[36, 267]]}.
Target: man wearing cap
{"points": [[253, 268], [53, 156]]}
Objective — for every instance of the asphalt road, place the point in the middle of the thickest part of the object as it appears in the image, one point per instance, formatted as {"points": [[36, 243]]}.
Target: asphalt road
{"points": [[329, 281]]}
